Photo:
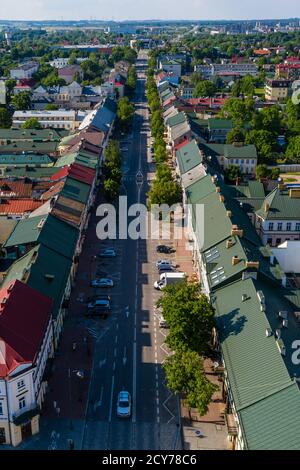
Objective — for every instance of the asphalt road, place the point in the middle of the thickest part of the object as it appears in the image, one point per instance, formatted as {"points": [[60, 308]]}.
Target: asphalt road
{"points": [[130, 345]]}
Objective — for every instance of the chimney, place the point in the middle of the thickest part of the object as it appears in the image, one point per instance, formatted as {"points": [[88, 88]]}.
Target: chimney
{"points": [[236, 231], [218, 189], [252, 264], [228, 213], [235, 260], [222, 198], [230, 243]]}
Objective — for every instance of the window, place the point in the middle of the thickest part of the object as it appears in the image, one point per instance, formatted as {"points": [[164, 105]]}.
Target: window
{"points": [[297, 228], [279, 226], [237, 161], [22, 403], [20, 384], [278, 241], [1, 408], [271, 226], [288, 226], [269, 241]]}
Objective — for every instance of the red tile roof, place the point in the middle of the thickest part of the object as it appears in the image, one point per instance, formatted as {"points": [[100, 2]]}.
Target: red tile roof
{"points": [[61, 173], [18, 206], [24, 317], [15, 189], [81, 173]]}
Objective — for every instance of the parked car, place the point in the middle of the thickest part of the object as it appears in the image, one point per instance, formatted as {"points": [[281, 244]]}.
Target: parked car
{"points": [[163, 323], [124, 405], [162, 263], [164, 249], [166, 269], [99, 303], [103, 282], [107, 253], [93, 298]]}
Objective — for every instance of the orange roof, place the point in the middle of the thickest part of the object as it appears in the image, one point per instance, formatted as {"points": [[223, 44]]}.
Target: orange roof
{"points": [[262, 52], [18, 206]]}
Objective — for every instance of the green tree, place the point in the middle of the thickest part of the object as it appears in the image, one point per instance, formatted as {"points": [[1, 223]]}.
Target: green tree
{"points": [[32, 123], [293, 149], [196, 77], [125, 111], [235, 135], [268, 119], [10, 84], [5, 118], [185, 376], [204, 89], [189, 315], [22, 101], [264, 142], [232, 173], [239, 111], [51, 107], [262, 171], [111, 188]]}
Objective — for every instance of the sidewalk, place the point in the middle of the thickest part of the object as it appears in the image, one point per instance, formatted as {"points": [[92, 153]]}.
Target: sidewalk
{"points": [[206, 432]]}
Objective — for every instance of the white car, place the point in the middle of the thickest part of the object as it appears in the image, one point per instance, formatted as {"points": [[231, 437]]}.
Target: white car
{"points": [[103, 282], [124, 405]]}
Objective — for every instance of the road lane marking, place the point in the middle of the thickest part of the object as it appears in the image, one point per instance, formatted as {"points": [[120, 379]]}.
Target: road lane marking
{"points": [[115, 352], [111, 398], [116, 339], [134, 384], [124, 356], [114, 366]]}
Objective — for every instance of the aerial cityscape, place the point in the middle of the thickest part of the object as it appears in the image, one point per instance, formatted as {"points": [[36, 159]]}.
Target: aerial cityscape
{"points": [[149, 228]]}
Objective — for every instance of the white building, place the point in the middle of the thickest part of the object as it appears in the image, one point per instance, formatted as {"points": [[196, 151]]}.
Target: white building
{"points": [[26, 343], [58, 119], [2, 92], [288, 256], [211, 70], [24, 70]]}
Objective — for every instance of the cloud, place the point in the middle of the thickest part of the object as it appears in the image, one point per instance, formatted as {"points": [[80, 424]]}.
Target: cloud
{"points": [[147, 9]]}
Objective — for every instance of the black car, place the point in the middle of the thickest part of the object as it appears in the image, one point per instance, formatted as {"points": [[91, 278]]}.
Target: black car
{"points": [[92, 298], [164, 249]]}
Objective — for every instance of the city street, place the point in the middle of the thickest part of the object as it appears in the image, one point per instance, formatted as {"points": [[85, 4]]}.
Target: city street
{"points": [[129, 356]]}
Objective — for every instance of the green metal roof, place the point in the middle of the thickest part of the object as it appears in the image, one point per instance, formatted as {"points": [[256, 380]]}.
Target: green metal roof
{"points": [[48, 273], [244, 151], [26, 159], [281, 206], [214, 150], [273, 423], [177, 119], [47, 230], [214, 123], [30, 134], [252, 189], [66, 160], [188, 157], [20, 146], [218, 261], [200, 189], [253, 361], [76, 190], [33, 173]]}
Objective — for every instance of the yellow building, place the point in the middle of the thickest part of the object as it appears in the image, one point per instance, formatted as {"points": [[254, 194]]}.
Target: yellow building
{"points": [[277, 90]]}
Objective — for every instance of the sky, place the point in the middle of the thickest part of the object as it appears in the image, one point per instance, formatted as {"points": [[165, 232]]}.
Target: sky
{"points": [[147, 9]]}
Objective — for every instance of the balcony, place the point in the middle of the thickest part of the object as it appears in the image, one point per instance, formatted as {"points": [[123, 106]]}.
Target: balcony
{"points": [[23, 416]]}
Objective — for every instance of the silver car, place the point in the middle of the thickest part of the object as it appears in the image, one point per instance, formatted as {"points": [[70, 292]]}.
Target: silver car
{"points": [[124, 405]]}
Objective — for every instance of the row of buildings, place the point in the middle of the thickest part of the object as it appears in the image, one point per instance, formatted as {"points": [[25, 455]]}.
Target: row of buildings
{"points": [[44, 214], [253, 286]]}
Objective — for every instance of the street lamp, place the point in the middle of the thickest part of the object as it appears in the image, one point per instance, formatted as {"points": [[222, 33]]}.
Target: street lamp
{"points": [[80, 374]]}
